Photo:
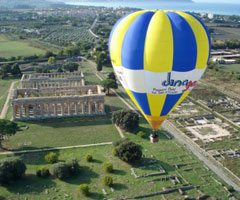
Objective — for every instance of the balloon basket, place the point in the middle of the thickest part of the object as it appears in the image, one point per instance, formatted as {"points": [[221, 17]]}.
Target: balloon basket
{"points": [[154, 138]]}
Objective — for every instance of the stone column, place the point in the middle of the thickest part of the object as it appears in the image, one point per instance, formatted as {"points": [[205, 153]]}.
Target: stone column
{"points": [[20, 111], [14, 112], [49, 110], [69, 108], [89, 107], [62, 105], [83, 111], [41, 110], [55, 109], [27, 111], [76, 108], [35, 111], [96, 107]]}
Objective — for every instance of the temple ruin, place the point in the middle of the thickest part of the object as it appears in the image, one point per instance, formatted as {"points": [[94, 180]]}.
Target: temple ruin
{"points": [[54, 98], [42, 80]]}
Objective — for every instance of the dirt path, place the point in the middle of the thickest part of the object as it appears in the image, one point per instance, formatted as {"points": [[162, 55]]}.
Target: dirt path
{"points": [[53, 149], [5, 107]]}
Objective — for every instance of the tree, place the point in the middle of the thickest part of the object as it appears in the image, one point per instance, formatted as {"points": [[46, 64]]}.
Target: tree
{"points": [[43, 172], [5, 69], [108, 167], [7, 128], [15, 70], [11, 169], [99, 66], [49, 54], [127, 151], [108, 83], [70, 66], [73, 166], [107, 181], [51, 60], [72, 51], [112, 76], [127, 120], [51, 157], [59, 69], [60, 170], [84, 189], [238, 61], [100, 59]]}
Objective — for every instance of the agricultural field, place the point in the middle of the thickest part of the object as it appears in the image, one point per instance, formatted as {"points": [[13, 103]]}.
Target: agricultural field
{"points": [[224, 33], [230, 68], [68, 34], [10, 47]]}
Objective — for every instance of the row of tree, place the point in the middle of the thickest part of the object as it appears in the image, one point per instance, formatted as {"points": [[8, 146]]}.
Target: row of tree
{"points": [[9, 69]]}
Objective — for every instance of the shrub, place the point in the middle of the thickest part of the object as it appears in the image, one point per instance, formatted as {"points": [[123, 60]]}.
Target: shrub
{"points": [[60, 170], [89, 157], [141, 134], [127, 120], [108, 167], [43, 172], [11, 169], [127, 151], [51, 157], [107, 181], [84, 189], [73, 166]]}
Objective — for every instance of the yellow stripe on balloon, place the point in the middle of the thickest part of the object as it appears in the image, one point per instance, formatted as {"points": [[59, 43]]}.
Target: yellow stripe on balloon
{"points": [[156, 103], [155, 122], [158, 50], [134, 100], [118, 35], [201, 39], [184, 95]]}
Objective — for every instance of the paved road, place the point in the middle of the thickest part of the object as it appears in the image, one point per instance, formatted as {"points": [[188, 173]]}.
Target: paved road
{"points": [[205, 157], [5, 107], [90, 29]]}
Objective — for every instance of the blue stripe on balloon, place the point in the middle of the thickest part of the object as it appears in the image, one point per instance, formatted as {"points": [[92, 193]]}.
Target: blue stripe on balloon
{"points": [[132, 53], [185, 45], [170, 101], [208, 35], [113, 29], [142, 100]]}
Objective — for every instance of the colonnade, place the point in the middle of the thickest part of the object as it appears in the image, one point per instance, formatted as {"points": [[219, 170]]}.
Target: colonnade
{"points": [[41, 110], [51, 83]]}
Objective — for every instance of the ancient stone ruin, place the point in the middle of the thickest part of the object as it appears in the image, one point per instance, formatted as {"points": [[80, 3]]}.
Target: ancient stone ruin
{"points": [[54, 95]]}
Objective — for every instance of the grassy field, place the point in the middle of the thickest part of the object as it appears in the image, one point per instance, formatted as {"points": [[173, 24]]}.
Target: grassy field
{"points": [[63, 132], [10, 47], [166, 154], [230, 68]]}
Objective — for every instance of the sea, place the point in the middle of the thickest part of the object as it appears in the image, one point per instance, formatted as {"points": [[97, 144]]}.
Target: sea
{"points": [[214, 8]]}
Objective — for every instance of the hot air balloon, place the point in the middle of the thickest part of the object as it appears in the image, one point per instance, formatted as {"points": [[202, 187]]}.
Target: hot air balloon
{"points": [[158, 56]]}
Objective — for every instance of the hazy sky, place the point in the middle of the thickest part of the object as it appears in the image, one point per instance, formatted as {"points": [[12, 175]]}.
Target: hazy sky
{"points": [[219, 1]]}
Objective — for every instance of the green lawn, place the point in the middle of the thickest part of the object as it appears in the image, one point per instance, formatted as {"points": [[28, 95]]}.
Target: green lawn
{"points": [[166, 153], [230, 68], [63, 132], [9, 47]]}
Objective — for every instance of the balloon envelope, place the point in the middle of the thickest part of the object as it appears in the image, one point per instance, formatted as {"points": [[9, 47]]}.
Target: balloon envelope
{"points": [[158, 56]]}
